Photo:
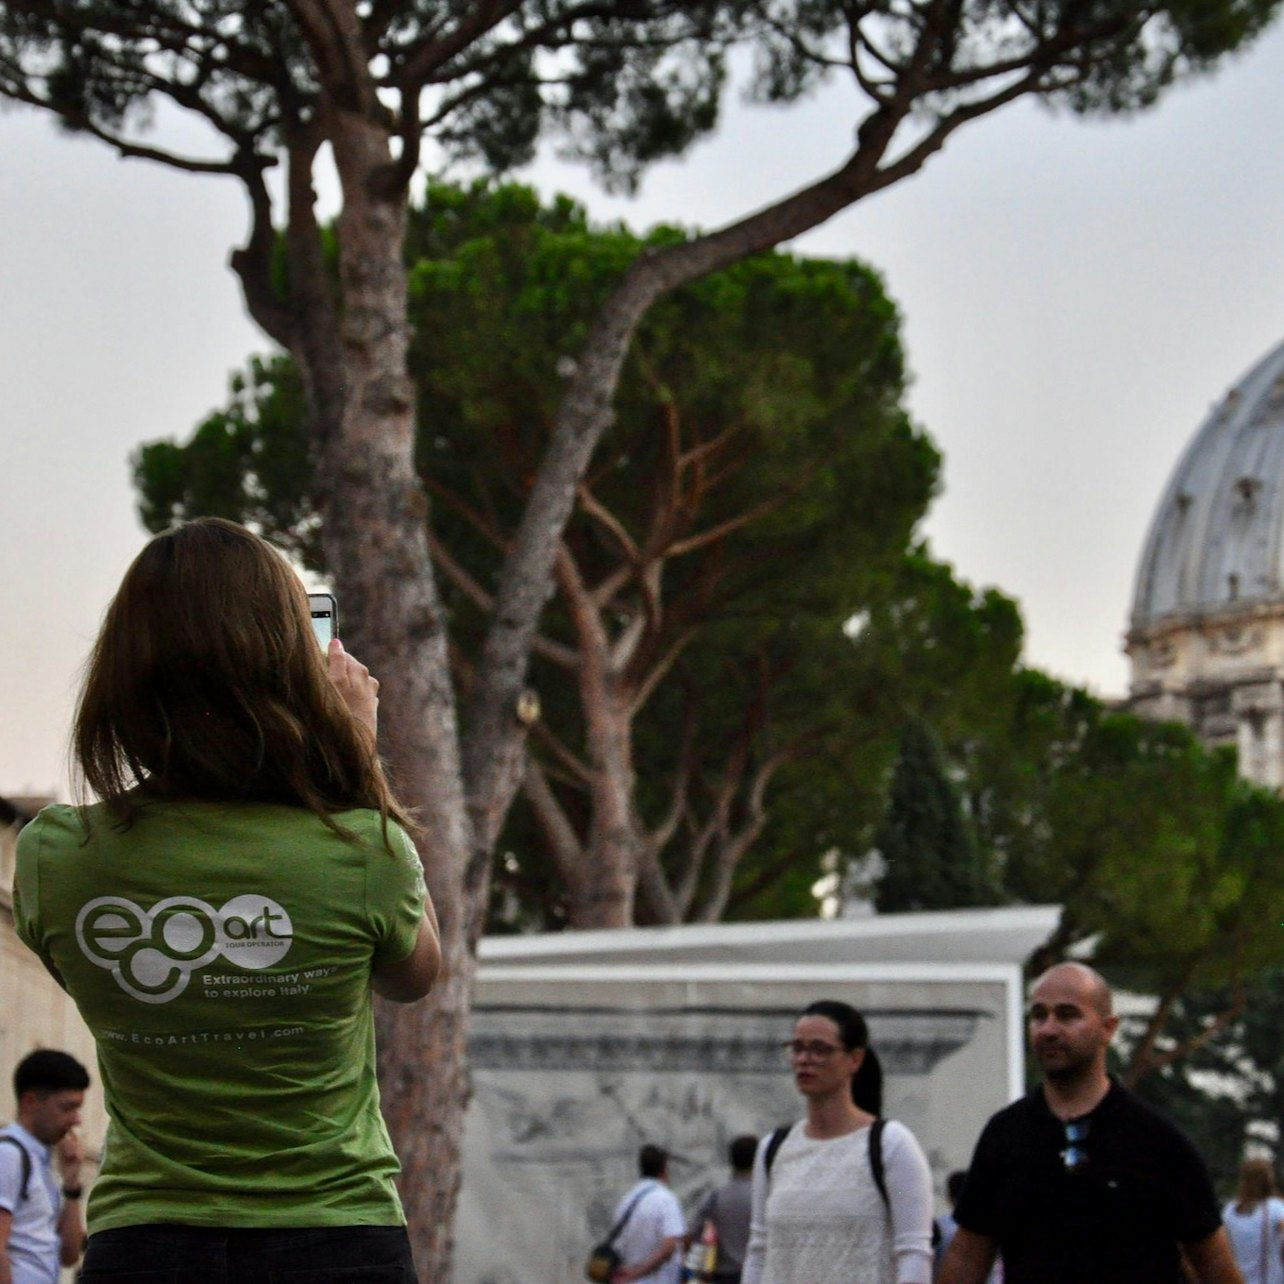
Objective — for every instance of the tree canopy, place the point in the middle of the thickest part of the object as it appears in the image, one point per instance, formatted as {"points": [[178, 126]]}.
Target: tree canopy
{"points": [[930, 856], [758, 487], [1161, 857], [1227, 1093]]}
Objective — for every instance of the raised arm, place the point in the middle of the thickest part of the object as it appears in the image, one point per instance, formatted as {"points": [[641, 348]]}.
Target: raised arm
{"points": [[71, 1218]]}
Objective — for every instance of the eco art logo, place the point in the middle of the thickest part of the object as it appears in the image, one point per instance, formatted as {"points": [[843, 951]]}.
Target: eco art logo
{"points": [[153, 953]]}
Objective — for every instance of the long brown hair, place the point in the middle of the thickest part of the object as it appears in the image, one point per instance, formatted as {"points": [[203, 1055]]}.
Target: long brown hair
{"points": [[206, 682]]}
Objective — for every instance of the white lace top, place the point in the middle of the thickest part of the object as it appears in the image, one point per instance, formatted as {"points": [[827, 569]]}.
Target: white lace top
{"points": [[819, 1219]]}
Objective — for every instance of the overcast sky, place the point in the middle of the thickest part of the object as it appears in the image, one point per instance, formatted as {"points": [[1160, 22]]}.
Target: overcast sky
{"points": [[1075, 297]]}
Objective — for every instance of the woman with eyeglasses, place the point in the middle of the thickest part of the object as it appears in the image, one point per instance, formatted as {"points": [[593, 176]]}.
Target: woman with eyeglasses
{"points": [[841, 1196], [221, 916], [1254, 1221]]}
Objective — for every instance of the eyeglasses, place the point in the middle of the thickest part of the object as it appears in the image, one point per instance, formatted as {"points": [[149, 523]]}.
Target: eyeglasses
{"points": [[813, 1048], [1074, 1158]]}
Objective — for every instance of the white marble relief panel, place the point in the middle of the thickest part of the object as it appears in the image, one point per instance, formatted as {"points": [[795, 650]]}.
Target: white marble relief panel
{"points": [[564, 1094]]}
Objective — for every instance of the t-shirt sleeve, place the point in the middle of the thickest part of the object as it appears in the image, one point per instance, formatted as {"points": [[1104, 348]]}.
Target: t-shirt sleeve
{"points": [[10, 1176], [26, 890], [395, 895], [909, 1195], [976, 1209], [756, 1251], [1197, 1212]]}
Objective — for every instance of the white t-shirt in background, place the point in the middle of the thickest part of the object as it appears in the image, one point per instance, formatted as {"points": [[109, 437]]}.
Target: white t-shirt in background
{"points": [[657, 1217], [1255, 1237], [34, 1244]]}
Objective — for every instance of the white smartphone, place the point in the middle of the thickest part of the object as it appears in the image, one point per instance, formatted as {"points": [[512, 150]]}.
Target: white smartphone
{"points": [[325, 617]]}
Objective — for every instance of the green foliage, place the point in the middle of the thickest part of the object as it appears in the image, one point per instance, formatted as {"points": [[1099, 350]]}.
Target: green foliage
{"points": [[617, 84], [620, 83], [778, 383], [1227, 1094], [782, 378], [250, 462], [1128, 825], [931, 859], [1162, 859], [926, 648]]}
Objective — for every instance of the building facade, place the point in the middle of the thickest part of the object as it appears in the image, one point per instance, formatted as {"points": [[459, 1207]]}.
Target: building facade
{"points": [[1206, 633]]}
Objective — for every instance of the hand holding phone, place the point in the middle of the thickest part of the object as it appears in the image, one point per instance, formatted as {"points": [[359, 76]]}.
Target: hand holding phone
{"points": [[357, 688]]}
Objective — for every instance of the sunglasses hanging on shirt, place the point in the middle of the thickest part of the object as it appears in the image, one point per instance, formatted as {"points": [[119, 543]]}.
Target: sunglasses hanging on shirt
{"points": [[1074, 1156]]}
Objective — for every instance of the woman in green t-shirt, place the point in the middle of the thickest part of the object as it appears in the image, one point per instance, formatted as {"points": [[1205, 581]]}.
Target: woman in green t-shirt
{"points": [[221, 916]]}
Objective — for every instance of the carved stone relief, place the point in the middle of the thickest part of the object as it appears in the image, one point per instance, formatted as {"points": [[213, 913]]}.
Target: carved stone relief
{"points": [[565, 1095]]}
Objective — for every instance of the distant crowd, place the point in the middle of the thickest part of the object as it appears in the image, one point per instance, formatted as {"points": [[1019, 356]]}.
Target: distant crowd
{"points": [[1078, 1182]]}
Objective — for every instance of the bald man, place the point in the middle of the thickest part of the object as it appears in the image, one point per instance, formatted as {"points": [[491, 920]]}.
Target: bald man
{"points": [[1080, 1182]]}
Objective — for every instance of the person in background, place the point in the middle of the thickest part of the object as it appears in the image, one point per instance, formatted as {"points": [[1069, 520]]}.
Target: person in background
{"points": [[42, 1228], [221, 918], [650, 1240], [727, 1207], [946, 1225], [819, 1215], [1254, 1220], [1081, 1182]]}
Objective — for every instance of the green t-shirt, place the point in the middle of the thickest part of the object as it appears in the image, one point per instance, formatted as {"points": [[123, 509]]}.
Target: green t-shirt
{"points": [[221, 955]]}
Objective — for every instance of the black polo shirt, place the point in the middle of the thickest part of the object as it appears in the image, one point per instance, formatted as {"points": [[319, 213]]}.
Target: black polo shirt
{"points": [[1143, 1190]]}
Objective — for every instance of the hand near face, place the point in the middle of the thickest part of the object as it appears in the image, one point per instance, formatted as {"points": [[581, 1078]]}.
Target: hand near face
{"points": [[71, 1154]]}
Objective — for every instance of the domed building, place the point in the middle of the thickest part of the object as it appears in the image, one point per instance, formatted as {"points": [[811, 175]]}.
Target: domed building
{"points": [[1206, 635]]}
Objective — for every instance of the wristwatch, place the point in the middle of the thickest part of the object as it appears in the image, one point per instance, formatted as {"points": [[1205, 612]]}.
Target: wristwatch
{"points": [[72, 1192]]}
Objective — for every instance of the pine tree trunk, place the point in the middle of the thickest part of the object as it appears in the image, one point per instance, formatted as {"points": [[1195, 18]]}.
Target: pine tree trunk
{"points": [[390, 616], [605, 894]]}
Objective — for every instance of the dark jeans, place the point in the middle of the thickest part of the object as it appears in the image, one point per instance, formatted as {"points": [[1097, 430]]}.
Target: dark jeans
{"points": [[165, 1254]]}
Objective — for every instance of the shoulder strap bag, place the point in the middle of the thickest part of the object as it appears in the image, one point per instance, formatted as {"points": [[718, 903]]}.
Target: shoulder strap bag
{"points": [[603, 1261]]}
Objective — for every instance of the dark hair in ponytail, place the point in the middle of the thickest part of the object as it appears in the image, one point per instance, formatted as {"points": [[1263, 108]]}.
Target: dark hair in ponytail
{"points": [[867, 1082]]}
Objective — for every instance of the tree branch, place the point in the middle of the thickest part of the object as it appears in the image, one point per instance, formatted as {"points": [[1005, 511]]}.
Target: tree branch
{"points": [[574, 770], [560, 838], [1140, 1062], [1157, 1061]]}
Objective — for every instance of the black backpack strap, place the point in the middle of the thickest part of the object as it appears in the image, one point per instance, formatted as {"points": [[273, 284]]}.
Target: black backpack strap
{"points": [[776, 1139], [26, 1163], [876, 1159], [626, 1214], [773, 1145]]}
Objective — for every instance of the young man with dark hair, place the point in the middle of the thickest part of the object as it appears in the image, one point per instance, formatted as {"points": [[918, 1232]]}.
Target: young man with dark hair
{"points": [[42, 1226], [1081, 1182], [651, 1234]]}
